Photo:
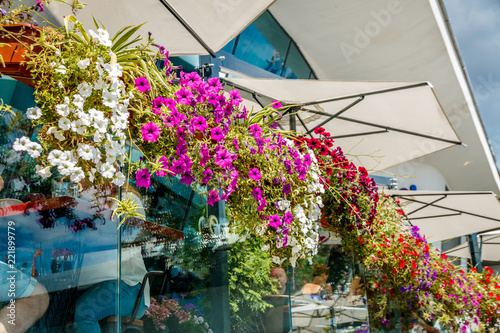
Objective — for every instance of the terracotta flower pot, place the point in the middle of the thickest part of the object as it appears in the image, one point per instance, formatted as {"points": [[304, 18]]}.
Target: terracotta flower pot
{"points": [[13, 54]]}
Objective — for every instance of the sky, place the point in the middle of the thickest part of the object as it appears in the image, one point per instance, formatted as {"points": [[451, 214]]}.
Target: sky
{"points": [[476, 26]]}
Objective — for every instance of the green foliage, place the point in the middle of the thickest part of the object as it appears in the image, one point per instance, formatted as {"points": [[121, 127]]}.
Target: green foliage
{"points": [[249, 280]]}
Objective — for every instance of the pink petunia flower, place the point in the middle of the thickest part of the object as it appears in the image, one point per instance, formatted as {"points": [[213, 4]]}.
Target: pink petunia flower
{"points": [[199, 123], [255, 131], [213, 197], [143, 178], [277, 104], [142, 84], [216, 134], [254, 174], [164, 164], [150, 132]]}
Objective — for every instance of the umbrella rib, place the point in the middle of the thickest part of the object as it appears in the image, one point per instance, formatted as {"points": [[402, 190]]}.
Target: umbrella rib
{"points": [[434, 216], [400, 130], [358, 134], [188, 27], [365, 94], [451, 209], [304, 125], [426, 205], [360, 98]]}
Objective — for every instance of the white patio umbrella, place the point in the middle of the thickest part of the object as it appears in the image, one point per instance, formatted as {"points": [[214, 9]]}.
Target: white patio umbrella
{"points": [[183, 27], [380, 124], [446, 215], [488, 244]]}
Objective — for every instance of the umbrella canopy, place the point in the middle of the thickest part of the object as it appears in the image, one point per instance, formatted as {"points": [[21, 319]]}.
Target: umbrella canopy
{"points": [[489, 245], [381, 124], [397, 41], [446, 215], [184, 27]]}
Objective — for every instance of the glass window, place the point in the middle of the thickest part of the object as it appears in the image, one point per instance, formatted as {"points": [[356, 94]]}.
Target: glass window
{"points": [[266, 45], [56, 244], [329, 294]]}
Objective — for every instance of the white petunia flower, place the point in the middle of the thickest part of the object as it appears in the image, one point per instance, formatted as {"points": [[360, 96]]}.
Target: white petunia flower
{"points": [[34, 113], [109, 99], [118, 179], [83, 64], [56, 157], [98, 137], [64, 123], [77, 175], [87, 152], [78, 101], [101, 125], [66, 168], [62, 109], [85, 89], [84, 117], [114, 70], [107, 170], [43, 172], [34, 149], [78, 127], [95, 114], [21, 144]]}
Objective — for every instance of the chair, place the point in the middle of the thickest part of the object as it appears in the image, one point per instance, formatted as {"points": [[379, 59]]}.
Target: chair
{"points": [[130, 324]]}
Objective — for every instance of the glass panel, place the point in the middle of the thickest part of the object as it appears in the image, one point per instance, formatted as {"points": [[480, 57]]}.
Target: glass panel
{"points": [[56, 247], [296, 67], [329, 295]]}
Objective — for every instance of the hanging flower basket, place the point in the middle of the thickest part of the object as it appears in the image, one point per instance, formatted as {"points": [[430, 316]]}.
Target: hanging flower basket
{"points": [[16, 39]]}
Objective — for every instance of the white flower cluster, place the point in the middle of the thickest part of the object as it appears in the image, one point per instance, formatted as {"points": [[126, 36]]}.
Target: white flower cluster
{"points": [[303, 236], [101, 130]]}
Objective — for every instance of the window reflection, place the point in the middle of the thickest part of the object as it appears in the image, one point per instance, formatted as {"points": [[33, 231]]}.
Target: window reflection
{"points": [[266, 45]]}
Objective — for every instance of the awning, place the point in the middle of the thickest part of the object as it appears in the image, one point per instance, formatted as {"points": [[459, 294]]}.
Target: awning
{"points": [[379, 124], [183, 27], [397, 41], [446, 215], [489, 245]]}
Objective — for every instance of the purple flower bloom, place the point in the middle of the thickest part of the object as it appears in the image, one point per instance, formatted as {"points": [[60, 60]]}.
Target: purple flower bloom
{"points": [[150, 132], [257, 194], [213, 197], [235, 98], [187, 178], [207, 176], [254, 174], [3, 12], [142, 84], [253, 151], [178, 166], [262, 204], [223, 158], [199, 123], [255, 131], [38, 6], [181, 147], [164, 163], [277, 104], [143, 178], [275, 221], [184, 96], [235, 143], [288, 218], [205, 155], [215, 85], [216, 134], [287, 189]]}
